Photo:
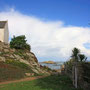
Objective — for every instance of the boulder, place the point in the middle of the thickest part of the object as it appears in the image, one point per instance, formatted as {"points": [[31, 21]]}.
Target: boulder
{"points": [[2, 59], [29, 74]]}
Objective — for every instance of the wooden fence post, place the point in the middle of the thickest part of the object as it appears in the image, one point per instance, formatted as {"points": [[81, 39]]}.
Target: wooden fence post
{"points": [[76, 77], [73, 74]]}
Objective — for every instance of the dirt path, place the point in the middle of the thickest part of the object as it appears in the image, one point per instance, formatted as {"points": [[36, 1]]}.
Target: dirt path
{"points": [[24, 79]]}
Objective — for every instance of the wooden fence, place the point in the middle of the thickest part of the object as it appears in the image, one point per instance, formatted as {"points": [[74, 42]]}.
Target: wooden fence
{"points": [[78, 76]]}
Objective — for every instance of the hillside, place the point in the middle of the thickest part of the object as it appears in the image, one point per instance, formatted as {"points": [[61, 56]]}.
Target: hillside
{"points": [[18, 63]]}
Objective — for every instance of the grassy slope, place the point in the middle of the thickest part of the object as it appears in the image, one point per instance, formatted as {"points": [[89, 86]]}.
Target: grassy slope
{"points": [[12, 72], [47, 83]]}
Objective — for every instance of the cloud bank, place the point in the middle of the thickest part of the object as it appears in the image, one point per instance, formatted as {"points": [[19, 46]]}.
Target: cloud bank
{"points": [[47, 38]]}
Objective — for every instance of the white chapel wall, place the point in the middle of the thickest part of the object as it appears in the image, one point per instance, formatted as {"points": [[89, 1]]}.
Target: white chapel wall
{"points": [[6, 33], [2, 34]]}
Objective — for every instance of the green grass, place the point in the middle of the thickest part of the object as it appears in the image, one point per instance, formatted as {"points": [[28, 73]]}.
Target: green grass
{"points": [[47, 83], [9, 72], [13, 70]]}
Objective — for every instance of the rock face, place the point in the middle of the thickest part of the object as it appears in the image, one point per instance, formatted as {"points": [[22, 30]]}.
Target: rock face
{"points": [[6, 53]]}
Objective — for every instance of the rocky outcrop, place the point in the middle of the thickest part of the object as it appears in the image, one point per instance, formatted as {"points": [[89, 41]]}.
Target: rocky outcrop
{"points": [[49, 62], [6, 53]]}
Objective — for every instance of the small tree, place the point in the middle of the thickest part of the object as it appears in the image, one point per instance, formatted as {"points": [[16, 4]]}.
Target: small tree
{"points": [[82, 57], [77, 56], [19, 42], [75, 53]]}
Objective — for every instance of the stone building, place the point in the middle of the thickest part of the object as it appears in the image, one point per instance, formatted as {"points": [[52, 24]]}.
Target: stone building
{"points": [[4, 32]]}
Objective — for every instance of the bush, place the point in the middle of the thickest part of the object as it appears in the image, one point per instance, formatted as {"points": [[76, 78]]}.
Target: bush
{"points": [[19, 42]]}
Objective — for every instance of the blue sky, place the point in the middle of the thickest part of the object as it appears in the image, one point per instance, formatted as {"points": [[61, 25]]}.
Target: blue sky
{"points": [[55, 26], [72, 12]]}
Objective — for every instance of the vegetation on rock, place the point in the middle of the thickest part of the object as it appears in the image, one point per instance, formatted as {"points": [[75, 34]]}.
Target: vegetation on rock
{"points": [[19, 42], [18, 64], [23, 61]]}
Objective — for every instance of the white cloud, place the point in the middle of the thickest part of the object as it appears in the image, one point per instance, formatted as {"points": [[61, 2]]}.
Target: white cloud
{"points": [[47, 38]]}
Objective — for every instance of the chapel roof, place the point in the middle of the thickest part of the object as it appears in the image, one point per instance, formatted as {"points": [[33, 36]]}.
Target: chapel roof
{"points": [[2, 24]]}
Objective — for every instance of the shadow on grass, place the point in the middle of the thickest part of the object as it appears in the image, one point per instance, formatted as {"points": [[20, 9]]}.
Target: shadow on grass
{"points": [[55, 83]]}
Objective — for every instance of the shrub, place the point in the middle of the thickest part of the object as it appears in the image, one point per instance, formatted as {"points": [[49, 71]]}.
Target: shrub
{"points": [[19, 42]]}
